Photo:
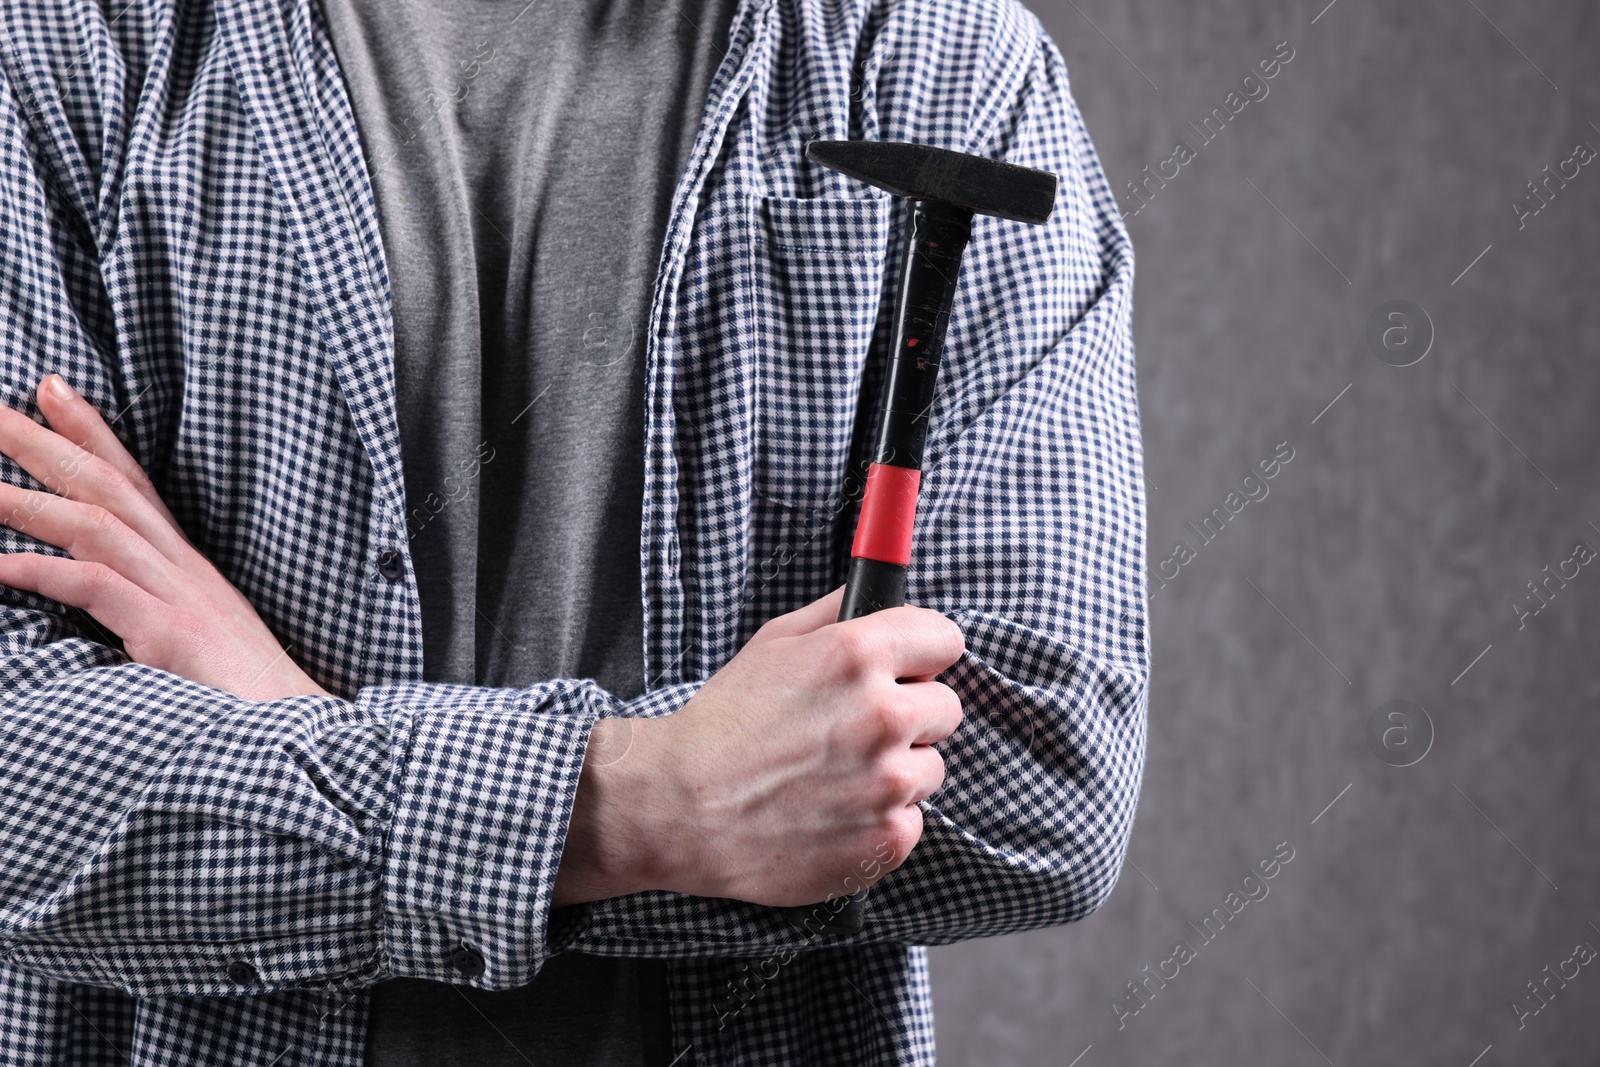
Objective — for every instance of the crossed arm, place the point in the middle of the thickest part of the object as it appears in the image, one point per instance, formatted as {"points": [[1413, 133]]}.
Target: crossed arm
{"points": [[802, 756]]}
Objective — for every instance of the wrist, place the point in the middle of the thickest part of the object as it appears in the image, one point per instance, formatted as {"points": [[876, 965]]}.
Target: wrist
{"points": [[618, 836]]}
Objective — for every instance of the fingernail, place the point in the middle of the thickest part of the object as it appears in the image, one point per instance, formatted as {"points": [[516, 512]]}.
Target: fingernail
{"points": [[59, 388]]}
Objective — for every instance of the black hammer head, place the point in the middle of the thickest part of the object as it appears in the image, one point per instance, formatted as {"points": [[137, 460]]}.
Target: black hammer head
{"points": [[922, 172]]}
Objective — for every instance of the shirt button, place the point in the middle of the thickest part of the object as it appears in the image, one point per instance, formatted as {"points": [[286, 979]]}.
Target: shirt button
{"points": [[391, 564], [467, 960], [241, 973]]}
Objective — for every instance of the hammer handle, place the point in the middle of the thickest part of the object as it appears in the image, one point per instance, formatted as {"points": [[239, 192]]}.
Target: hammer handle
{"points": [[880, 555], [872, 585]]}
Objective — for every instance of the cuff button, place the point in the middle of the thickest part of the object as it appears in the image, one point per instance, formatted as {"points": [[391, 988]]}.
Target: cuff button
{"points": [[468, 961], [241, 973]]}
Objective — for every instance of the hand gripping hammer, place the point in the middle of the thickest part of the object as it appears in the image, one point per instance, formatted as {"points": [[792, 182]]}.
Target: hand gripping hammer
{"points": [[943, 190]]}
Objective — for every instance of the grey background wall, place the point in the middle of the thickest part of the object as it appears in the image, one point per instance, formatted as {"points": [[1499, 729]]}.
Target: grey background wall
{"points": [[1384, 564]]}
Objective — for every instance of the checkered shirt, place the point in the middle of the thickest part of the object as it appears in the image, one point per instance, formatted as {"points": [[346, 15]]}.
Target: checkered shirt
{"points": [[191, 239]]}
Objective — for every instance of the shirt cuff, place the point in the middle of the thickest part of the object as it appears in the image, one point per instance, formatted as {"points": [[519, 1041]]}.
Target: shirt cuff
{"points": [[483, 784]]}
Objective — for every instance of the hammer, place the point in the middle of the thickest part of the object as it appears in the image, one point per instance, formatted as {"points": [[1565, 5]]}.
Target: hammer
{"points": [[943, 190]]}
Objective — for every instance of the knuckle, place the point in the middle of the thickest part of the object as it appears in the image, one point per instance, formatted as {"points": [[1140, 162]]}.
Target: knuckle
{"points": [[901, 833], [186, 630], [100, 520], [890, 717], [168, 640], [958, 637], [137, 477], [184, 634], [940, 623], [773, 627], [99, 579], [897, 784], [851, 650], [18, 517], [952, 701], [938, 779], [91, 525], [100, 474]]}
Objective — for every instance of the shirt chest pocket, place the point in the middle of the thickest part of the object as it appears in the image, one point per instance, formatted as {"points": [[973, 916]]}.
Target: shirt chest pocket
{"points": [[812, 291]]}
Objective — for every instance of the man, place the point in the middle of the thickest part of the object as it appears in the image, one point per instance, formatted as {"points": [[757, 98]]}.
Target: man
{"points": [[280, 837]]}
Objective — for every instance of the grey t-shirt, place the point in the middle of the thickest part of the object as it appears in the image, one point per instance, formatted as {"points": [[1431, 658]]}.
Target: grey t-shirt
{"points": [[523, 157]]}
